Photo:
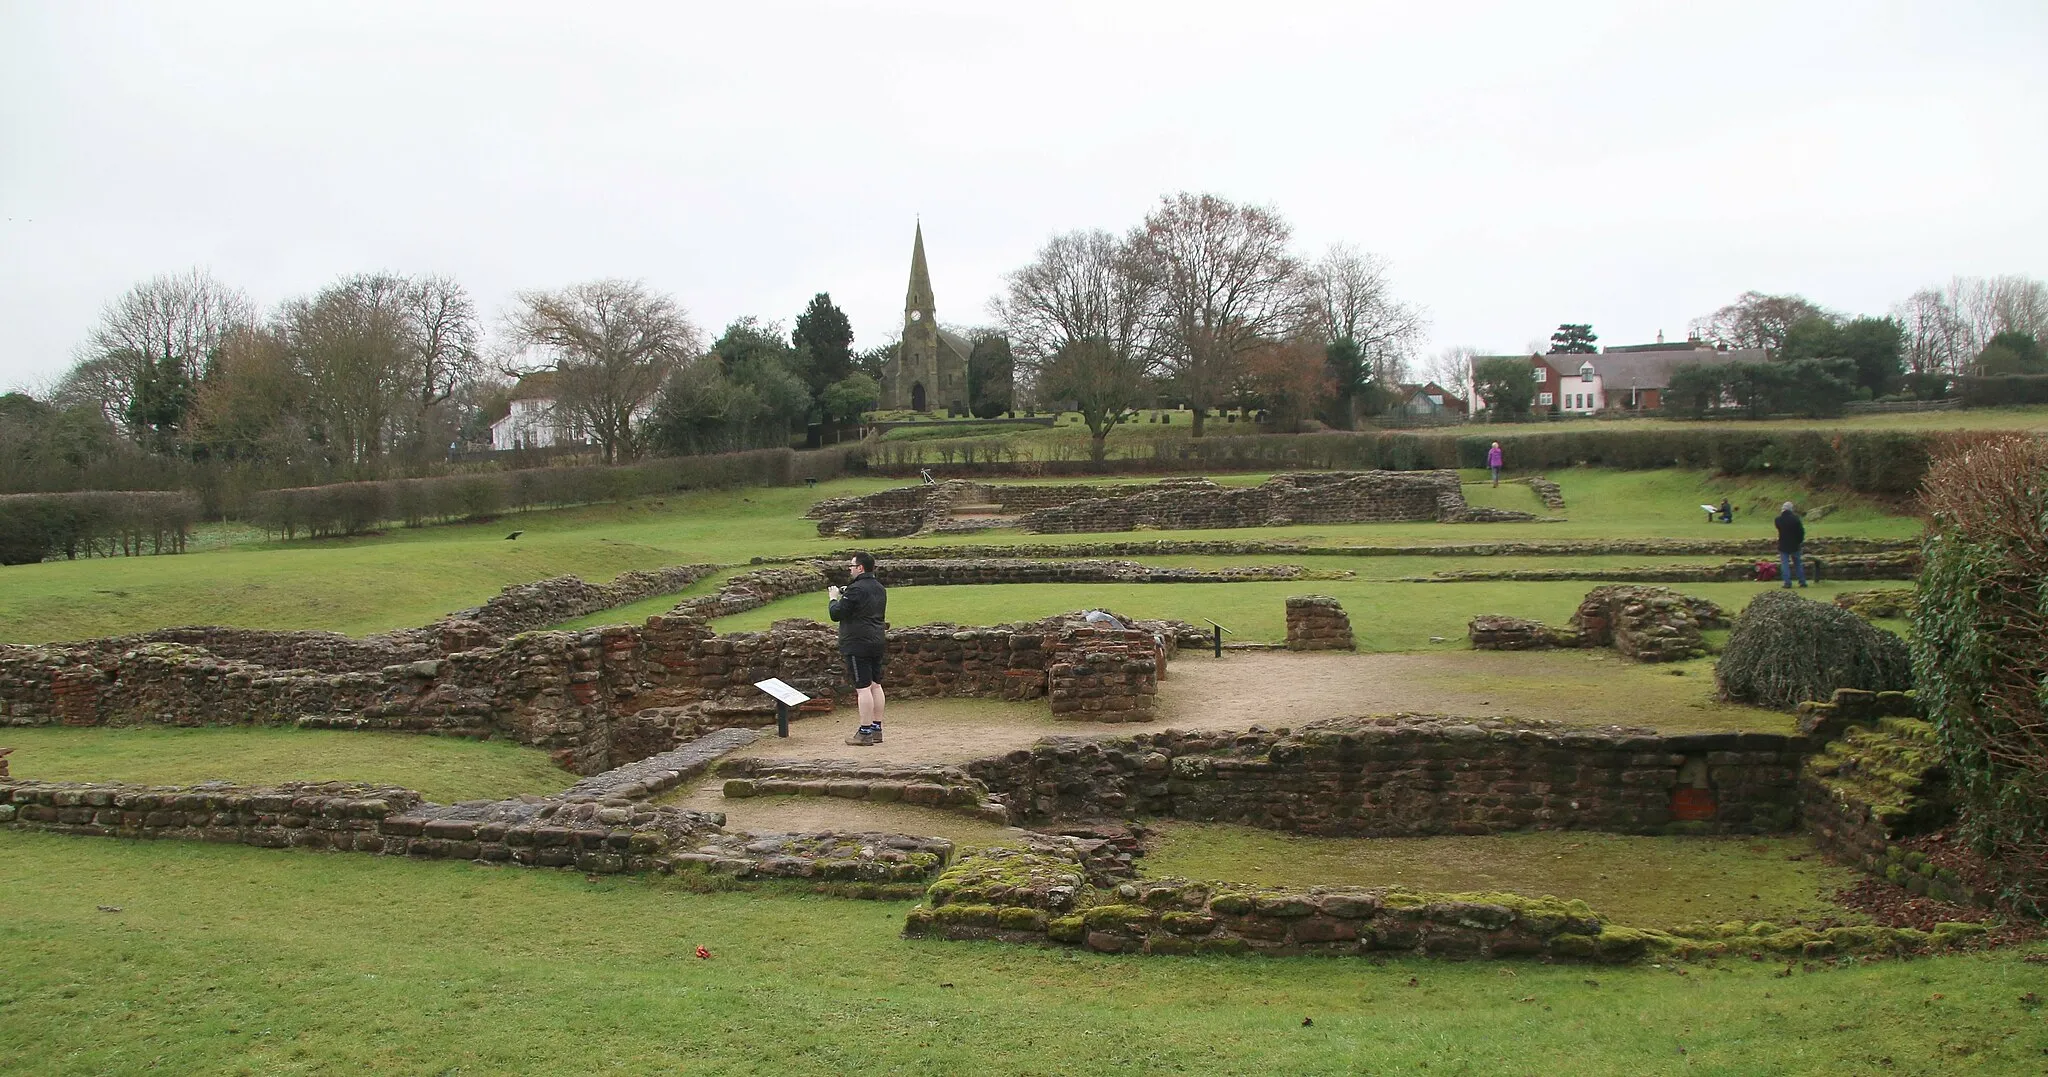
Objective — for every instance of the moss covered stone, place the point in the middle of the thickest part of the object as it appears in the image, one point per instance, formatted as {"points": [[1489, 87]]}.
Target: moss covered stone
{"points": [[1016, 919], [968, 915], [1187, 923], [1133, 918]]}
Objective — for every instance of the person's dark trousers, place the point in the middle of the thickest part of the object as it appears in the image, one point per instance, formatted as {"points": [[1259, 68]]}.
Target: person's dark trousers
{"points": [[1790, 564]]}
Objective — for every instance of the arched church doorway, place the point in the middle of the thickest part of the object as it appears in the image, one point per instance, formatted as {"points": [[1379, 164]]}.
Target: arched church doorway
{"points": [[917, 396]]}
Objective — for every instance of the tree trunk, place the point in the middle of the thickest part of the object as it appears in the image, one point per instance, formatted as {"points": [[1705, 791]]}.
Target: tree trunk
{"points": [[1199, 414]]}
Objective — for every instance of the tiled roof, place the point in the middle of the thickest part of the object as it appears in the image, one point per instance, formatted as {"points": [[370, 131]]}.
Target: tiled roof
{"points": [[1648, 369]]}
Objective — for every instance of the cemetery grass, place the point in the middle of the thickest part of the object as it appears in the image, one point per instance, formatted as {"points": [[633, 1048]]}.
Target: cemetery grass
{"points": [[406, 577], [1631, 880], [445, 769], [233, 960]]}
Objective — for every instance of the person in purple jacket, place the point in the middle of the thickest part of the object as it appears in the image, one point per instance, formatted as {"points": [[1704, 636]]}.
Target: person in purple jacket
{"points": [[1493, 462]]}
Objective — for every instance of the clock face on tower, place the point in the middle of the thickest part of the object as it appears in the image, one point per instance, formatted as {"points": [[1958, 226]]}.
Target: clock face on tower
{"points": [[916, 315]]}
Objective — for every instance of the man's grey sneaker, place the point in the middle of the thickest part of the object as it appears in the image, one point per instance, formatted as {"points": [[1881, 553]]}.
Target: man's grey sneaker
{"points": [[877, 729], [865, 735]]}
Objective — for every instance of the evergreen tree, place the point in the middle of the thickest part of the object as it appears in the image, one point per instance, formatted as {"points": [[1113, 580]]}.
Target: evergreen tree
{"points": [[824, 337], [1573, 339]]}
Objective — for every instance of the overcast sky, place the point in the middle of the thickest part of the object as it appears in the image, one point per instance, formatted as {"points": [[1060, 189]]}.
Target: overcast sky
{"points": [[1633, 165]]}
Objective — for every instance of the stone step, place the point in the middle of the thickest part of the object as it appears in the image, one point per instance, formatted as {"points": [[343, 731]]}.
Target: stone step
{"points": [[657, 774], [930, 786]]}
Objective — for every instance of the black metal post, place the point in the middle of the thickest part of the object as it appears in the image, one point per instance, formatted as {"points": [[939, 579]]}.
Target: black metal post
{"points": [[781, 719], [1219, 641]]}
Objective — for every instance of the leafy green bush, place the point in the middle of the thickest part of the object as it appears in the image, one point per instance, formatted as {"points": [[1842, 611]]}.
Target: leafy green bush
{"points": [[1981, 648], [2007, 391], [1785, 650]]}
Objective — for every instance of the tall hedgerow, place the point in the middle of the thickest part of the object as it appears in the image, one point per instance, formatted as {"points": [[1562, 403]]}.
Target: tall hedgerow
{"points": [[92, 523], [1980, 648]]}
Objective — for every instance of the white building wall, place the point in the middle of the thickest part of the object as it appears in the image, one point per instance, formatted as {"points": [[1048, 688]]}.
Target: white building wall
{"points": [[529, 425]]}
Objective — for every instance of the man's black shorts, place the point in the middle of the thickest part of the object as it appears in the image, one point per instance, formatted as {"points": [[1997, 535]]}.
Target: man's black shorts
{"points": [[864, 670]]}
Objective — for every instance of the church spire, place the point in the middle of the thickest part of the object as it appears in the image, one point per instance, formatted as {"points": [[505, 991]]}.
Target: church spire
{"points": [[919, 297]]}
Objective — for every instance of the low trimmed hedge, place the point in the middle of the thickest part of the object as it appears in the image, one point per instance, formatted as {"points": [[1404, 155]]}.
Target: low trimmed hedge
{"points": [[1881, 462], [351, 508]]}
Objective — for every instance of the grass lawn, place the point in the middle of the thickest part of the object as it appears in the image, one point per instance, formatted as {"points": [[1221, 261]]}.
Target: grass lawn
{"points": [[446, 769], [227, 960], [1384, 616], [1659, 882], [409, 577]]}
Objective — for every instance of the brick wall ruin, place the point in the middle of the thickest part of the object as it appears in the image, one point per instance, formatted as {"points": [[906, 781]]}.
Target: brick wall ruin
{"points": [[1318, 623], [1409, 775], [581, 695], [1648, 624], [604, 824]]}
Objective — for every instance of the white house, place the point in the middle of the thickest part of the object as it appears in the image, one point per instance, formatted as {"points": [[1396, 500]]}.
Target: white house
{"points": [[535, 422], [531, 423]]}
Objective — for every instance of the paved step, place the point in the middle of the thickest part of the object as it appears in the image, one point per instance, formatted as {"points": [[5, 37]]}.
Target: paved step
{"points": [[657, 774]]}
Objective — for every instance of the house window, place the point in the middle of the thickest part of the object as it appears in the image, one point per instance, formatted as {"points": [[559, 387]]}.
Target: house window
{"points": [[1543, 399]]}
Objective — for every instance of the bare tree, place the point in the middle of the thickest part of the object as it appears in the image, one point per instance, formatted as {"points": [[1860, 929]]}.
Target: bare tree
{"points": [[355, 347], [1076, 319], [1756, 320], [1347, 298], [1946, 328], [1988, 306], [612, 345], [444, 328], [150, 346], [1222, 283], [1451, 367], [1936, 340]]}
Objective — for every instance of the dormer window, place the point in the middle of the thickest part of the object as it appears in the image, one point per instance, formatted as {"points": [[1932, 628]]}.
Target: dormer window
{"points": [[1585, 372]]}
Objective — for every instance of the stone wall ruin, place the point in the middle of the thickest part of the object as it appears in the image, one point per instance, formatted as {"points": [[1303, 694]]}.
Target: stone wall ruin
{"points": [[1414, 775], [1648, 624], [1170, 505]]}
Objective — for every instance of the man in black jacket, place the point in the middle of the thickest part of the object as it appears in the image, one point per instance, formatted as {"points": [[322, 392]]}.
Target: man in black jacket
{"points": [[860, 608], [1791, 536]]}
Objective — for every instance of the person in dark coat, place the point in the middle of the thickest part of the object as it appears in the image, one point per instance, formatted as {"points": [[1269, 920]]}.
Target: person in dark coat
{"points": [[861, 608], [1791, 536], [1727, 512]]}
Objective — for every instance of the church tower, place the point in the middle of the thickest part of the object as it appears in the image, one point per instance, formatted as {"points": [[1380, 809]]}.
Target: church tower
{"points": [[929, 372], [918, 386]]}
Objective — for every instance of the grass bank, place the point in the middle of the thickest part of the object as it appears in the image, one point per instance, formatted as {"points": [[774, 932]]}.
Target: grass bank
{"points": [[446, 769], [232, 960], [402, 578], [1384, 616], [1658, 882]]}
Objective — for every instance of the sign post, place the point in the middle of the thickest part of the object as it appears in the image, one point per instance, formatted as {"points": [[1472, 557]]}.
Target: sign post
{"points": [[785, 698], [1219, 636]]}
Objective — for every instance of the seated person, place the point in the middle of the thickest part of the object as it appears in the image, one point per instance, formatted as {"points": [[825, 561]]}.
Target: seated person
{"points": [[1727, 512]]}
